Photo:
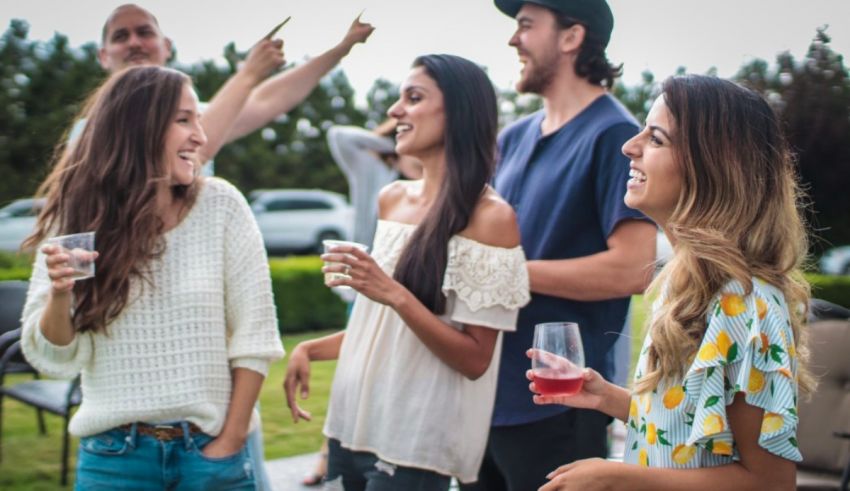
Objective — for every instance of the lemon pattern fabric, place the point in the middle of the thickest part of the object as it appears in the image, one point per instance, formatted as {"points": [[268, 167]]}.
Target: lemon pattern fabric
{"points": [[748, 347]]}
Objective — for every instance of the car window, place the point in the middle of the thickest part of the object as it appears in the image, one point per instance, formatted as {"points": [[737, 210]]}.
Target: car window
{"points": [[297, 205], [21, 209]]}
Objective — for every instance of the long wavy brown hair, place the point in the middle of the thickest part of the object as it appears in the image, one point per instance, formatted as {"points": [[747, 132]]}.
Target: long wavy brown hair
{"points": [[738, 216], [106, 181], [469, 135]]}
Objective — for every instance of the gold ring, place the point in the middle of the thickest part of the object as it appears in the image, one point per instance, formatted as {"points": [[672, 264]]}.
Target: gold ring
{"points": [[347, 268]]}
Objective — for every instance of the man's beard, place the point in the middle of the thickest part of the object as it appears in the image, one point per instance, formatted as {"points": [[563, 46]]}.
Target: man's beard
{"points": [[538, 76]]}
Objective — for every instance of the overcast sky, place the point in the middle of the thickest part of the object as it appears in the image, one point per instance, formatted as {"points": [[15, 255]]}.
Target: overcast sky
{"points": [[658, 35]]}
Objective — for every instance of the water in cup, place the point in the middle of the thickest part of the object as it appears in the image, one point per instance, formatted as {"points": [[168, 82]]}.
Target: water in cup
{"points": [[557, 364], [80, 250]]}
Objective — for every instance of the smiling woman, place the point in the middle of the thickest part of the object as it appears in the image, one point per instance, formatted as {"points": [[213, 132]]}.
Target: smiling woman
{"points": [[446, 277], [182, 293], [719, 375]]}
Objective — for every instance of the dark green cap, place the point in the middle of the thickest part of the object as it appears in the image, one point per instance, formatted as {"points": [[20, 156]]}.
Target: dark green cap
{"points": [[594, 14]]}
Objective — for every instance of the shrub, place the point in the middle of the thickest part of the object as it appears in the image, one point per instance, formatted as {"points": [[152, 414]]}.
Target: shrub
{"points": [[835, 289], [303, 301], [10, 260], [15, 274]]}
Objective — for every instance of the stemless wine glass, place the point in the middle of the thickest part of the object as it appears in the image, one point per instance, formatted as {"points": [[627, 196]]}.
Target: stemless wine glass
{"points": [[558, 358]]}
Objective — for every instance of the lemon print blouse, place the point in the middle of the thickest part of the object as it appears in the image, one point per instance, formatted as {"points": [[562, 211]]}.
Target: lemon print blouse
{"points": [[748, 347]]}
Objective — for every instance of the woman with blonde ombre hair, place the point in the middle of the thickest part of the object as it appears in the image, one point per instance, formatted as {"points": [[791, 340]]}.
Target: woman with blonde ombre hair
{"points": [[714, 405]]}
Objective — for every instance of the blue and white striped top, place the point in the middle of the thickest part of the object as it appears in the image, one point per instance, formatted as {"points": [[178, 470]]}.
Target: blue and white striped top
{"points": [[748, 347]]}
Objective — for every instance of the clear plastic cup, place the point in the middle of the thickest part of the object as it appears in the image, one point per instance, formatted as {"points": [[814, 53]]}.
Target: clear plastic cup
{"points": [[80, 250], [330, 244]]}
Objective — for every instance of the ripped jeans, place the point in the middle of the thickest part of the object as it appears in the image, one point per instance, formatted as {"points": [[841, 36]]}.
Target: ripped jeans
{"points": [[363, 471], [122, 458]]}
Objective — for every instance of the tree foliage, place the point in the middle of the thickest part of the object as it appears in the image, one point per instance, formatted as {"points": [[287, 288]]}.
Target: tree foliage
{"points": [[42, 85]]}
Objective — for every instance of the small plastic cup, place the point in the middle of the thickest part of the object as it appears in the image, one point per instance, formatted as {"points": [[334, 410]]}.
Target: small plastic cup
{"points": [[80, 250], [330, 244]]}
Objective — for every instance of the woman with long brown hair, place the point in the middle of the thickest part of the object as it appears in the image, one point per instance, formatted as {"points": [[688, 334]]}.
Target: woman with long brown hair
{"points": [[174, 334], [415, 383], [715, 395]]}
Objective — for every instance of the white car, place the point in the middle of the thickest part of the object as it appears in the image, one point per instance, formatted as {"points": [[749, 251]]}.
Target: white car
{"points": [[836, 260], [17, 222], [298, 220]]}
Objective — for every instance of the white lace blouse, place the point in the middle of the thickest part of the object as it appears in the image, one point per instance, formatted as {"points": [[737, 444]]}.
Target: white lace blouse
{"points": [[392, 396]]}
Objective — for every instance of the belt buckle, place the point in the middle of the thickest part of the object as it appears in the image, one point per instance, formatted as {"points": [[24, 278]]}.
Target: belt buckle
{"points": [[164, 432]]}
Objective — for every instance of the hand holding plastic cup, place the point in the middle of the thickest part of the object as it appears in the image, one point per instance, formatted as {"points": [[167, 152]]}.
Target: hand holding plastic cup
{"points": [[557, 363], [80, 251], [329, 245]]}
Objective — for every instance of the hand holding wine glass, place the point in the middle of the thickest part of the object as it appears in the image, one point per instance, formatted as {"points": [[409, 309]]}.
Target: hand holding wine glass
{"points": [[558, 358], [557, 370]]}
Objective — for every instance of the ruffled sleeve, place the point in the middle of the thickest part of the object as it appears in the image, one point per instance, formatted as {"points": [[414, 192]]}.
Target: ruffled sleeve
{"points": [[485, 285], [748, 347]]}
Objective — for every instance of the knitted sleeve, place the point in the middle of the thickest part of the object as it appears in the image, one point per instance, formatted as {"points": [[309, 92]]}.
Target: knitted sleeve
{"points": [[253, 338], [48, 358]]}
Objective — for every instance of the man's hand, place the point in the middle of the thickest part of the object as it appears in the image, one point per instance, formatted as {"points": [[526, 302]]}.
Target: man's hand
{"points": [[266, 56], [359, 32]]}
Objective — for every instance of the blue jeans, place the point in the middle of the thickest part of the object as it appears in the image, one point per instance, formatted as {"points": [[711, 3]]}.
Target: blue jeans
{"points": [[364, 471], [123, 459], [254, 448]]}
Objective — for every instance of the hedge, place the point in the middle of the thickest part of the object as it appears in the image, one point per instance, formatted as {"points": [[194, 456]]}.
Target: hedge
{"points": [[835, 289], [304, 303]]}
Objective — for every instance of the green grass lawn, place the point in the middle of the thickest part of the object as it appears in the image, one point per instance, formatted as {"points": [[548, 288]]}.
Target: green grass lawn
{"points": [[31, 461]]}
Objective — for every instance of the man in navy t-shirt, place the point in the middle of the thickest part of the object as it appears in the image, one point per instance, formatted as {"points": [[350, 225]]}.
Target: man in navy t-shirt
{"points": [[563, 171]]}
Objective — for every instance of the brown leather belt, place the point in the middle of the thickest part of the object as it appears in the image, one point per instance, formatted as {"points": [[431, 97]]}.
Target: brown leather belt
{"points": [[161, 432]]}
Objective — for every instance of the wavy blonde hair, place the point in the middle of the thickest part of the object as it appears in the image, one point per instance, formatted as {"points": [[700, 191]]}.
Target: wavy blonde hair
{"points": [[738, 216]]}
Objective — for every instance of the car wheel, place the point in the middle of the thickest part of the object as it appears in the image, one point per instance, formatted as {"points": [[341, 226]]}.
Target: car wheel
{"points": [[326, 235], [846, 269]]}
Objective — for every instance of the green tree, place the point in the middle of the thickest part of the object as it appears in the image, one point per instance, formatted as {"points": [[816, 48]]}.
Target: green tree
{"points": [[42, 87], [813, 98]]}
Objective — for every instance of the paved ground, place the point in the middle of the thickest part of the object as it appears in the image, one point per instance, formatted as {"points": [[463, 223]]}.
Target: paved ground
{"points": [[286, 474]]}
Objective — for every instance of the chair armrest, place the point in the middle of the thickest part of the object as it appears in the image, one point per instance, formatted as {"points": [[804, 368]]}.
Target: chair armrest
{"points": [[13, 350], [73, 397], [9, 337]]}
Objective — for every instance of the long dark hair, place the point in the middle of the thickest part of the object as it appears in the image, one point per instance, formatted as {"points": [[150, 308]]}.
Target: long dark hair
{"points": [[469, 103], [107, 182], [591, 62]]}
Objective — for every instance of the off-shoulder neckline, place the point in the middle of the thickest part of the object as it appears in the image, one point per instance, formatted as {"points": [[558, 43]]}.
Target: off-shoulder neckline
{"points": [[461, 238]]}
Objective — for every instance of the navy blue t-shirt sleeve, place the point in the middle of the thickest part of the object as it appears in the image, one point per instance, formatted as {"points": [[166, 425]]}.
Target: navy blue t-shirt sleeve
{"points": [[612, 172]]}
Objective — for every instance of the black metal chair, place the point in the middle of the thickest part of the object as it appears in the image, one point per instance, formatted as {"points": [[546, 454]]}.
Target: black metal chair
{"points": [[58, 397], [13, 295]]}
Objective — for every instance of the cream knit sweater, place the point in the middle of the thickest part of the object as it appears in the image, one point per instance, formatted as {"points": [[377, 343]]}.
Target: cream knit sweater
{"points": [[169, 354]]}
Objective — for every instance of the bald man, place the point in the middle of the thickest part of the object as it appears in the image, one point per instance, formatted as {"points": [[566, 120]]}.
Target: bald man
{"points": [[249, 100]]}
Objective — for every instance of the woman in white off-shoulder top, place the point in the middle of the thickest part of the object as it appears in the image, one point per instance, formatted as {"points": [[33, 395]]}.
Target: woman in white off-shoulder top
{"points": [[414, 387]]}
